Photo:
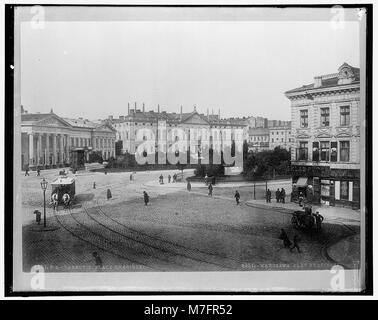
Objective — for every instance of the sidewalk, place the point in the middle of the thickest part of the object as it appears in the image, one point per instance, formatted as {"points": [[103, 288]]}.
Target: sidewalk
{"points": [[336, 214]]}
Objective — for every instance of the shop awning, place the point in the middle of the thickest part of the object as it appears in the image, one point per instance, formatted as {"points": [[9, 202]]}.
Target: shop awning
{"points": [[302, 182]]}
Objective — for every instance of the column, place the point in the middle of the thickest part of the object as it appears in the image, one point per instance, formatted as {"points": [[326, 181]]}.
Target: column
{"points": [[31, 149], [54, 149], [39, 149], [61, 149], [47, 150], [68, 148]]}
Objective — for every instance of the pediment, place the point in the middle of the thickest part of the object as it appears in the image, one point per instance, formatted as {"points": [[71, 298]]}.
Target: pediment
{"points": [[341, 133], [323, 134], [53, 121], [104, 128], [195, 118]]}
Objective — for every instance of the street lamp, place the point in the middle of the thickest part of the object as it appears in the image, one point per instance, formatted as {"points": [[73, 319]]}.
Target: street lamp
{"points": [[44, 184]]}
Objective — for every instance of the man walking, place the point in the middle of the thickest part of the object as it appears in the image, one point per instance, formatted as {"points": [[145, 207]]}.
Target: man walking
{"points": [[237, 197], [278, 194], [268, 195], [318, 220], [146, 198], [189, 186], [169, 178], [210, 187], [37, 216], [283, 195], [295, 244], [284, 237], [38, 172]]}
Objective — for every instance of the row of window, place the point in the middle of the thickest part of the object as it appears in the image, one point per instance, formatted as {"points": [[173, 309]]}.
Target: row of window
{"points": [[324, 117], [282, 133], [324, 151]]}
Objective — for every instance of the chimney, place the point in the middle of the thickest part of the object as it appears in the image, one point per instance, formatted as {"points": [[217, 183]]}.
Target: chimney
{"points": [[195, 108], [158, 108], [128, 108], [219, 113], [208, 117], [181, 113], [143, 107], [135, 107], [317, 82], [22, 109]]}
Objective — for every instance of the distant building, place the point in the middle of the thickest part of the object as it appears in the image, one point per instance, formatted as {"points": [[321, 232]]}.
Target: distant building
{"points": [[136, 119], [258, 139], [49, 140], [325, 118], [280, 136]]}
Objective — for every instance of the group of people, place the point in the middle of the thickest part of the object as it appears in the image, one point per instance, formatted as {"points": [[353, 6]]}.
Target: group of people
{"points": [[170, 178], [280, 195]]}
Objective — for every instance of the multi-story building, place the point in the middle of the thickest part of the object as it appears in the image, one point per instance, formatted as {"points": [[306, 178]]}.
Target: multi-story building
{"points": [[127, 126], [325, 118], [49, 140], [280, 136], [258, 139]]}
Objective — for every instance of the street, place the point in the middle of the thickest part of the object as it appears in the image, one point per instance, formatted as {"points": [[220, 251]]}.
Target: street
{"points": [[177, 231]]}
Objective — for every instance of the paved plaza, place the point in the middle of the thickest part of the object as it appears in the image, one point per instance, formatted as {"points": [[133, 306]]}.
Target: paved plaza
{"points": [[178, 230]]}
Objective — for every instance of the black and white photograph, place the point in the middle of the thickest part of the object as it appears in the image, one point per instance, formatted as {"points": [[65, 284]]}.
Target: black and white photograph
{"points": [[189, 148]]}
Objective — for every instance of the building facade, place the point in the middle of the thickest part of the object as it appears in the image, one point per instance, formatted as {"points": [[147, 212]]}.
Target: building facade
{"points": [[258, 139], [137, 120], [48, 140], [280, 136], [325, 118]]}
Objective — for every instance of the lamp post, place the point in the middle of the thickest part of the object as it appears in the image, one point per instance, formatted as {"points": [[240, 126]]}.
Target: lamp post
{"points": [[44, 187]]}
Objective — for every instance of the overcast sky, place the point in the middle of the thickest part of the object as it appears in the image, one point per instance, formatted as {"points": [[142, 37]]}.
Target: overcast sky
{"points": [[93, 69]]}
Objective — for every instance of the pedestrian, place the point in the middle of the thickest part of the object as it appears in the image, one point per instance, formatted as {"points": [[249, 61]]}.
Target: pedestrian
{"points": [[189, 186], [108, 194], [161, 179], [98, 260], [206, 179], [146, 198], [169, 178], [210, 187], [295, 244], [318, 220], [283, 195], [237, 197], [300, 199], [37, 216], [38, 172], [286, 241], [174, 177], [278, 194], [26, 171], [94, 185], [269, 195], [131, 177]]}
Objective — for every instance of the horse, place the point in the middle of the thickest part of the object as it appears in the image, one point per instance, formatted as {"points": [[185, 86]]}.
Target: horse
{"points": [[66, 201], [54, 199]]}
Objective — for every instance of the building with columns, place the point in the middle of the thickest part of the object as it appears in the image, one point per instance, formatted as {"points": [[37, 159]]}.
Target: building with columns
{"points": [[48, 140], [325, 120]]}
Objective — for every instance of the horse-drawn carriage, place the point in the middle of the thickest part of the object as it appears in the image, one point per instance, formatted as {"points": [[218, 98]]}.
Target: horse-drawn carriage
{"points": [[303, 219], [63, 191]]}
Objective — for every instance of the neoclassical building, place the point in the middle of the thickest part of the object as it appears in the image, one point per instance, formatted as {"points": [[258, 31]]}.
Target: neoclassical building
{"points": [[49, 140], [325, 118], [136, 119]]}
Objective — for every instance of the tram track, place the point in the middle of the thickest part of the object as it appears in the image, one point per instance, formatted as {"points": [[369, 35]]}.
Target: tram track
{"points": [[171, 247], [94, 239]]}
